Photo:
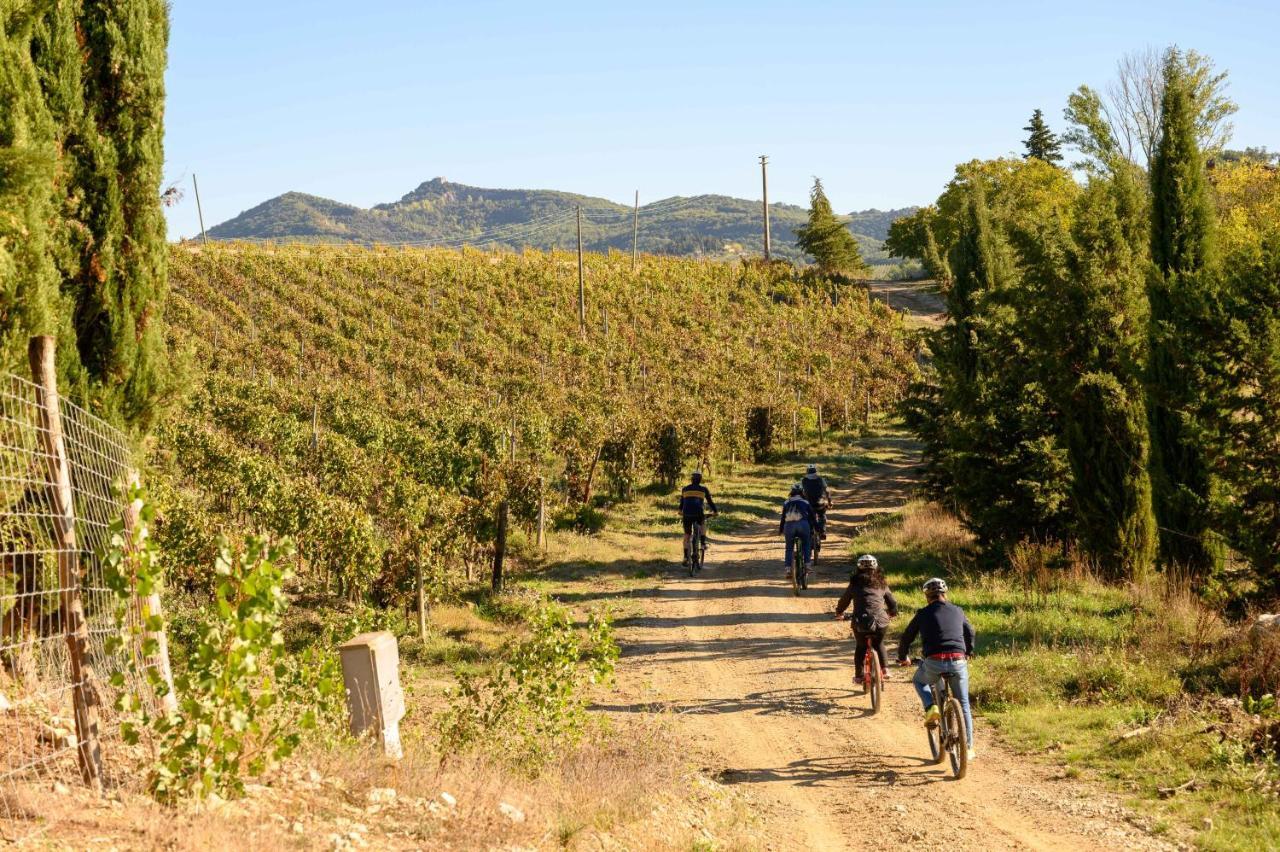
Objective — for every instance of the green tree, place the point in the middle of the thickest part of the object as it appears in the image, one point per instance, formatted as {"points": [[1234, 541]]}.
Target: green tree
{"points": [[826, 239], [1041, 143], [1097, 303], [1183, 329], [86, 80]]}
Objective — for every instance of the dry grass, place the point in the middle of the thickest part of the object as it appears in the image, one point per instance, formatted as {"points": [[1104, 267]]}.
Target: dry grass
{"points": [[622, 790]]}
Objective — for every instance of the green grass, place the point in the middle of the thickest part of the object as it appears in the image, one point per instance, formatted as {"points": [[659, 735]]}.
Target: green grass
{"points": [[1067, 665]]}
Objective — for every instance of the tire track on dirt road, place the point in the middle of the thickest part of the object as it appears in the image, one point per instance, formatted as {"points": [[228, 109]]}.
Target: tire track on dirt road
{"points": [[761, 680]]}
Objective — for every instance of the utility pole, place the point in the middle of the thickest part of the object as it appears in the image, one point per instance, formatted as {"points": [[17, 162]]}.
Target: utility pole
{"points": [[764, 182], [199, 211], [582, 291], [635, 231]]}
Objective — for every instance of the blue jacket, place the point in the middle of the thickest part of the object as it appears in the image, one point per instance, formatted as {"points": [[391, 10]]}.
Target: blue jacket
{"points": [[692, 499], [796, 509]]}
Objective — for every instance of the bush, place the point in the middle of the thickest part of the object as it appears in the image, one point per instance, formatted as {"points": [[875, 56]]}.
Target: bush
{"points": [[587, 520], [241, 703], [760, 433], [534, 705]]}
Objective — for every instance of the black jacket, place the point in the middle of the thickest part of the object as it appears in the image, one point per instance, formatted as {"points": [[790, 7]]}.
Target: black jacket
{"points": [[695, 498], [943, 629], [878, 603]]}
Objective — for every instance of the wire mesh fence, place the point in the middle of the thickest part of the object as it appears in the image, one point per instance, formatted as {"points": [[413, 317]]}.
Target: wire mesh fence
{"points": [[53, 691]]}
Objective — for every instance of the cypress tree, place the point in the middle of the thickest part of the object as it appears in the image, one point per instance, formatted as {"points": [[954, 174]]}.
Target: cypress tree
{"points": [[1103, 322], [1041, 143], [1181, 287], [826, 239], [91, 130]]}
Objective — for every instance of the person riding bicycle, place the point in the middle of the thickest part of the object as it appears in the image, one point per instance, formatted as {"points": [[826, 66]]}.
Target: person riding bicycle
{"points": [[873, 607], [797, 526], [947, 638], [695, 499], [815, 491]]}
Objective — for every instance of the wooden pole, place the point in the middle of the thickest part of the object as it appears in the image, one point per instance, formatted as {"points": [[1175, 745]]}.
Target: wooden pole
{"points": [[315, 425], [199, 210], [582, 291], [542, 513], [764, 183], [148, 607], [635, 231], [500, 546], [84, 692], [422, 592]]}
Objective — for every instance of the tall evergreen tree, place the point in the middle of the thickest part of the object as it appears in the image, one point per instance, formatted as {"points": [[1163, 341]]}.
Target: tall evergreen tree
{"points": [[1101, 322], [826, 239], [1182, 289], [90, 130], [1041, 143]]}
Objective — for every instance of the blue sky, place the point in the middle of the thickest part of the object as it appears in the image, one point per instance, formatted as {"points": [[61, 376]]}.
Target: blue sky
{"points": [[361, 102]]}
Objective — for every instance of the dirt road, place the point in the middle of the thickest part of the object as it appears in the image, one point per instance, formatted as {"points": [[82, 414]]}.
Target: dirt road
{"points": [[918, 298], [762, 681]]}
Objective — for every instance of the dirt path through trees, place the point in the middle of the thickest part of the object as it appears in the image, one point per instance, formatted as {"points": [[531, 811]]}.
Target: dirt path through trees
{"points": [[761, 680]]}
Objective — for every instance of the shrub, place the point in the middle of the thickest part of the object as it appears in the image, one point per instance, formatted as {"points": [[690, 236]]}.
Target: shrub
{"points": [[534, 705], [241, 704]]}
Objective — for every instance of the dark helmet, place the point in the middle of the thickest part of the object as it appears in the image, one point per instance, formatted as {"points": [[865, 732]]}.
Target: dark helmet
{"points": [[935, 586], [796, 491], [697, 477]]}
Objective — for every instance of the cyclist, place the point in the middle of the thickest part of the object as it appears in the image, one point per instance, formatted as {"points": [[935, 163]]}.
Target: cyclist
{"points": [[797, 526], [695, 499], [947, 638], [873, 606], [815, 491]]}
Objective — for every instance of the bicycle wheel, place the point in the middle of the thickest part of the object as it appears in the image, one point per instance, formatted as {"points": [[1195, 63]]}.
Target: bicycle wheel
{"points": [[797, 566], [957, 742], [877, 681], [694, 555], [937, 734]]}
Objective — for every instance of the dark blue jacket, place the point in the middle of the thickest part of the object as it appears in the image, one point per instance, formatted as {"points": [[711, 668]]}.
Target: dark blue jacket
{"points": [[943, 629], [796, 506], [692, 499]]}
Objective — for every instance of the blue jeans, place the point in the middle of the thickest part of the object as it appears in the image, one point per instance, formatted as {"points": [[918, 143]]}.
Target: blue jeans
{"points": [[931, 671], [792, 531]]}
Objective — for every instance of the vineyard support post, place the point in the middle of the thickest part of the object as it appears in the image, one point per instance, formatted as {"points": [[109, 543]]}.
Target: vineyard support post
{"points": [[868, 417], [635, 231], [148, 607], [500, 546], [84, 693], [582, 291], [542, 512], [421, 592]]}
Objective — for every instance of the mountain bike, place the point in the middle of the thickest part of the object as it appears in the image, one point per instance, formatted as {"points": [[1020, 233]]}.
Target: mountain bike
{"points": [[819, 531], [698, 547], [872, 674], [798, 575], [948, 738]]}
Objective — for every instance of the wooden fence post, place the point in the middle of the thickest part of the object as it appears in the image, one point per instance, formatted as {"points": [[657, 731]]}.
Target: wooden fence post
{"points": [[542, 513], [84, 693], [147, 607], [500, 547], [421, 591]]}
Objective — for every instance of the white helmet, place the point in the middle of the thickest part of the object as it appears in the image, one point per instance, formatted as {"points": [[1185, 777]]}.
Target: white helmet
{"points": [[869, 560]]}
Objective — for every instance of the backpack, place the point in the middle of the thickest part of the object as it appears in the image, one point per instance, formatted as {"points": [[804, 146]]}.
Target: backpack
{"points": [[865, 622]]}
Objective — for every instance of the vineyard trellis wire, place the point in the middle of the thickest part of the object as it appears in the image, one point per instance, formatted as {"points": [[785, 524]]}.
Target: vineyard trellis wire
{"points": [[56, 610]]}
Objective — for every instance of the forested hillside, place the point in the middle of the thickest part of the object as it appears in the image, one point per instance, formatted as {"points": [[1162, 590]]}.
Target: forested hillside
{"points": [[440, 212], [382, 406]]}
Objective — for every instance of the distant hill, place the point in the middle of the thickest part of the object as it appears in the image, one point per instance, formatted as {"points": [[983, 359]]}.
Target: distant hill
{"points": [[440, 212]]}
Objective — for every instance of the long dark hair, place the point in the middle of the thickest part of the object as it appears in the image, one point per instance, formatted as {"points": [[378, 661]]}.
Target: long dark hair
{"points": [[873, 576]]}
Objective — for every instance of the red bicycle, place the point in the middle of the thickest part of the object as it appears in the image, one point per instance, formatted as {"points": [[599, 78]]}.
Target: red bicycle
{"points": [[872, 673]]}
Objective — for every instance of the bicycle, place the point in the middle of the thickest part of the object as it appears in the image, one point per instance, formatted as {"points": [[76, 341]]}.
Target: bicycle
{"points": [[819, 531], [872, 674], [798, 574], [948, 739], [698, 547]]}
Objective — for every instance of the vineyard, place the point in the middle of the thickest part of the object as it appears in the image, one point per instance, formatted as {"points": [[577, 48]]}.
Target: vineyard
{"points": [[387, 409]]}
